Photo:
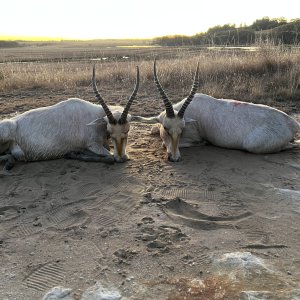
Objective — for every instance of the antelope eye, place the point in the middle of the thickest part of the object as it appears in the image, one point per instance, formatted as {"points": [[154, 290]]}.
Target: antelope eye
{"points": [[167, 130]]}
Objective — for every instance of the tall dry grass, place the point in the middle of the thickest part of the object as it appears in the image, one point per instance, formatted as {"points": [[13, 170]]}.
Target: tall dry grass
{"points": [[270, 73]]}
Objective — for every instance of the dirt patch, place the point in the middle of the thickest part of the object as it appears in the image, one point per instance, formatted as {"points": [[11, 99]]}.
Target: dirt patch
{"points": [[72, 223]]}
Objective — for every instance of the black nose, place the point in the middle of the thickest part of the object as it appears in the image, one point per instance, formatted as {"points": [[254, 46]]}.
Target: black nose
{"points": [[121, 160], [170, 158]]}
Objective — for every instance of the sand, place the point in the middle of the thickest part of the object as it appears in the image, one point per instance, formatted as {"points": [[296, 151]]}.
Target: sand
{"points": [[147, 227]]}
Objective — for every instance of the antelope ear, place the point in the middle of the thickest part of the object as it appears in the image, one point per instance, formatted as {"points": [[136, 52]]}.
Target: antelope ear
{"points": [[188, 120], [98, 122]]}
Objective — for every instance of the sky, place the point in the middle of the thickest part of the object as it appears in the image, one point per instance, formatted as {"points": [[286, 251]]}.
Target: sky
{"points": [[93, 19]]}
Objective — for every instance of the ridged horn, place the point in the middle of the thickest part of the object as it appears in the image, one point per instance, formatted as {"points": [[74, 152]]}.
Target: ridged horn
{"points": [[131, 98], [168, 104], [107, 111], [191, 95]]}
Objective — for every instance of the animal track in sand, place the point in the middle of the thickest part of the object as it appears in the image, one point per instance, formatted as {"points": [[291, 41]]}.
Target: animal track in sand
{"points": [[187, 214], [113, 210], [107, 209], [188, 193], [104, 220], [176, 192], [259, 239], [10, 212], [258, 236], [23, 229], [123, 202], [203, 259], [82, 190], [46, 276], [63, 217], [159, 238], [193, 187]]}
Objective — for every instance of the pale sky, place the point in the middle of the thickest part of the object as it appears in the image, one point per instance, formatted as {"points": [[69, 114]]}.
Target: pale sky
{"points": [[92, 19]]}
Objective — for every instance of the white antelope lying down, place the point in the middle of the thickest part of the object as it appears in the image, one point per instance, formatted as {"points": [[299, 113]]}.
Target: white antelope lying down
{"points": [[76, 128], [221, 122]]}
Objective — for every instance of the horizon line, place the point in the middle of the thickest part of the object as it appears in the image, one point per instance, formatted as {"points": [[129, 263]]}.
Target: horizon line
{"points": [[27, 38]]}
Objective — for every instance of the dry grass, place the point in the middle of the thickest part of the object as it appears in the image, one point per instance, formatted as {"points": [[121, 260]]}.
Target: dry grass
{"points": [[195, 289], [271, 73]]}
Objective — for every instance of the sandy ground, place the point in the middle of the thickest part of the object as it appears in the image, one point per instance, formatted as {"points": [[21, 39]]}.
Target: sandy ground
{"points": [[148, 226]]}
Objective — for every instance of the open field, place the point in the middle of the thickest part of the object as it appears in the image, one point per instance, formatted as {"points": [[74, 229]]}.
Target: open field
{"points": [[149, 228], [268, 75]]}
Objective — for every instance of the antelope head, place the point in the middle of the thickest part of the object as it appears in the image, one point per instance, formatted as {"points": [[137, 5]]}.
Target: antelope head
{"points": [[172, 121], [117, 123]]}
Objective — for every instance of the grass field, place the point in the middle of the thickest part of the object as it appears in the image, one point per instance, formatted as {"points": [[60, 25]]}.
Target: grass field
{"points": [[268, 74]]}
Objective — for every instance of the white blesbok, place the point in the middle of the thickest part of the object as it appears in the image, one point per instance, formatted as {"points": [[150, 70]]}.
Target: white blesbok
{"points": [[222, 122], [73, 128]]}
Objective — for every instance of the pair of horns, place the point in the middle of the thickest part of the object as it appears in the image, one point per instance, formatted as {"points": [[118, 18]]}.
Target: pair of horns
{"points": [[169, 108], [107, 111]]}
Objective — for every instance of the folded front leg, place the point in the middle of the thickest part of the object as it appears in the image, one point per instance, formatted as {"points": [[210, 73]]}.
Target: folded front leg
{"points": [[90, 156]]}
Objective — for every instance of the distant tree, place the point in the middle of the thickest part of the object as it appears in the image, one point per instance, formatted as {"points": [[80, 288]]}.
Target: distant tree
{"points": [[266, 23], [235, 36], [173, 40], [220, 28], [243, 25], [278, 29], [199, 39], [245, 36], [288, 33], [295, 20]]}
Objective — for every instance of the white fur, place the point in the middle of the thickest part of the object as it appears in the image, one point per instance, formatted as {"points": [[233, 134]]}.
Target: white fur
{"points": [[53, 131], [238, 125], [226, 123]]}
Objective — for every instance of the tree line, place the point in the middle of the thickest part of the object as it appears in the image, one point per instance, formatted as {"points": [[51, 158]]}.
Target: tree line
{"points": [[8, 44], [279, 30]]}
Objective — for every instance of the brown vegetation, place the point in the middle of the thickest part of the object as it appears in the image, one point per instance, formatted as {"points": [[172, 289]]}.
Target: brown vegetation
{"points": [[265, 74]]}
